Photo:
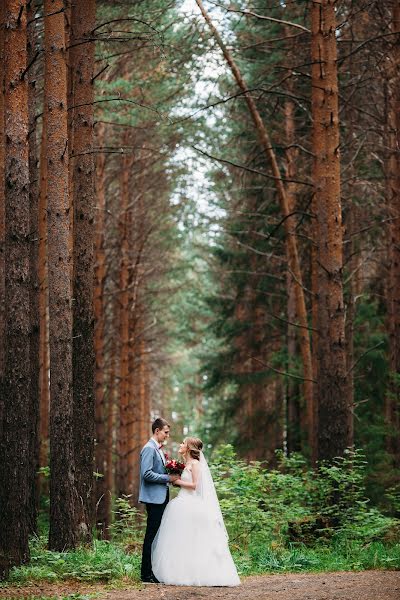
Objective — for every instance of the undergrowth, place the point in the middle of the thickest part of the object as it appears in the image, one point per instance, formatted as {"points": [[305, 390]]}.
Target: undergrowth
{"points": [[289, 519]]}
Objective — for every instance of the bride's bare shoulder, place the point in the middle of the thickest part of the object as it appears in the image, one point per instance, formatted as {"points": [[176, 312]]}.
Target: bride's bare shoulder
{"points": [[194, 464]]}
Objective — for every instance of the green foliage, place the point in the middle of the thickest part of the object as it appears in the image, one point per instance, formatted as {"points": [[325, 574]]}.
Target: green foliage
{"points": [[128, 524], [372, 381], [45, 471], [101, 562], [393, 497], [293, 503], [350, 556]]}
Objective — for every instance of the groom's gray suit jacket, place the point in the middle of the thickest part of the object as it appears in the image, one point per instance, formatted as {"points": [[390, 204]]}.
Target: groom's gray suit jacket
{"points": [[153, 478]]}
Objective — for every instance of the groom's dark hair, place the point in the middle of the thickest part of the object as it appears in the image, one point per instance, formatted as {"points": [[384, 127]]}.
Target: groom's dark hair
{"points": [[159, 424]]}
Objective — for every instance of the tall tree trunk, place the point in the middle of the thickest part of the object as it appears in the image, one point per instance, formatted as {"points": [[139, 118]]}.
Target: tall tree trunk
{"points": [[289, 223], [143, 412], [102, 516], [293, 415], [2, 212], [34, 256], [70, 120], [351, 247], [81, 55], [147, 401], [124, 334], [133, 421], [317, 102], [292, 388], [15, 442], [351, 312], [353, 244], [392, 403], [44, 352], [331, 351], [136, 332], [111, 408], [63, 497]]}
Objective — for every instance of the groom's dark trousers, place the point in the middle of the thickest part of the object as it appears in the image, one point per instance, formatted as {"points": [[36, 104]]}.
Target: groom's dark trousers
{"points": [[154, 516]]}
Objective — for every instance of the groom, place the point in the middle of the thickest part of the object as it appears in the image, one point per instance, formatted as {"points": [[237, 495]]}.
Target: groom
{"points": [[153, 490]]}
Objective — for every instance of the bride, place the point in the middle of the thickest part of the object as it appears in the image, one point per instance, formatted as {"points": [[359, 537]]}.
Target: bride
{"points": [[191, 546]]}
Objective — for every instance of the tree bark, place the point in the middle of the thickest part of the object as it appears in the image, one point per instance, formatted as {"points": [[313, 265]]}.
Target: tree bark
{"points": [[144, 412], [292, 416], [102, 513], [81, 56], [331, 352], [70, 129], [2, 212], [34, 255], [15, 440], [110, 463], [317, 101], [392, 402], [142, 416], [44, 352], [133, 410], [63, 498], [124, 334], [352, 216], [350, 313]]}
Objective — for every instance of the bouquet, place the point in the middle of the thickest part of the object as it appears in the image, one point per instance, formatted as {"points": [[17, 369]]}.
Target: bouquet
{"points": [[173, 467]]}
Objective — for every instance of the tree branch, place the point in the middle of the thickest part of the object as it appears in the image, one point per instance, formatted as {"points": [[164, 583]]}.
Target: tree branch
{"points": [[249, 13], [285, 373], [362, 356], [249, 169]]}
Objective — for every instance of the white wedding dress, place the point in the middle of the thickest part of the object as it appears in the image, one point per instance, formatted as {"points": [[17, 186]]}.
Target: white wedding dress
{"points": [[191, 546]]}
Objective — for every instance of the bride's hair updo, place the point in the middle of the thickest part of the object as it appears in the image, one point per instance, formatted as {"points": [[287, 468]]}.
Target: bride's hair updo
{"points": [[194, 446]]}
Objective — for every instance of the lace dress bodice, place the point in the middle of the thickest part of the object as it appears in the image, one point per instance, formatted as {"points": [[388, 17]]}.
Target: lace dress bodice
{"points": [[186, 476]]}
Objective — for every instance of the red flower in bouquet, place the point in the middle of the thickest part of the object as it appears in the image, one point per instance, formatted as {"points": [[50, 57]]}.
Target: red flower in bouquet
{"points": [[174, 467]]}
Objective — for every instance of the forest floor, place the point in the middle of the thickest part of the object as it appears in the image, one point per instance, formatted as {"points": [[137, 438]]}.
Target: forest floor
{"points": [[364, 585]]}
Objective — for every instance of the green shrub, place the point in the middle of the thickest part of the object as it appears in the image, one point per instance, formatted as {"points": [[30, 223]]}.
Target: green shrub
{"points": [[294, 503], [129, 523]]}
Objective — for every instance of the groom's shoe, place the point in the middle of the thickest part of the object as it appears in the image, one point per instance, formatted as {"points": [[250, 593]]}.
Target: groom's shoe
{"points": [[151, 579]]}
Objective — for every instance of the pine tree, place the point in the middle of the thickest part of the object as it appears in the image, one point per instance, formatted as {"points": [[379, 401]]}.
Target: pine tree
{"points": [[331, 354], [15, 439], [102, 494], [63, 495], [33, 266], [81, 58], [2, 213], [392, 403]]}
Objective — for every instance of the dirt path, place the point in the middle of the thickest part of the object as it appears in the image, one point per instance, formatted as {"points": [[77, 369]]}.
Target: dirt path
{"points": [[366, 585]]}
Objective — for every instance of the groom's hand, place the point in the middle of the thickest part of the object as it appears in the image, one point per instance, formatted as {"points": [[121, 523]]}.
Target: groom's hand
{"points": [[173, 478]]}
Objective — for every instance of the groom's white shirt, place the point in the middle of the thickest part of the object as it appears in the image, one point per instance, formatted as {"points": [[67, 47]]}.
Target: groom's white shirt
{"points": [[160, 451]]}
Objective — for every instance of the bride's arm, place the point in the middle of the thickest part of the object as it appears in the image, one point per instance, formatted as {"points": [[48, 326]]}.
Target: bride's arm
{"points": [[191, 485]]}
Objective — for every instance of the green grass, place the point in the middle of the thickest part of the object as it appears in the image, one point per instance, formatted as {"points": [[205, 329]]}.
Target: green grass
{"points": [[103, 562], [346, 556], [109, 563]]}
